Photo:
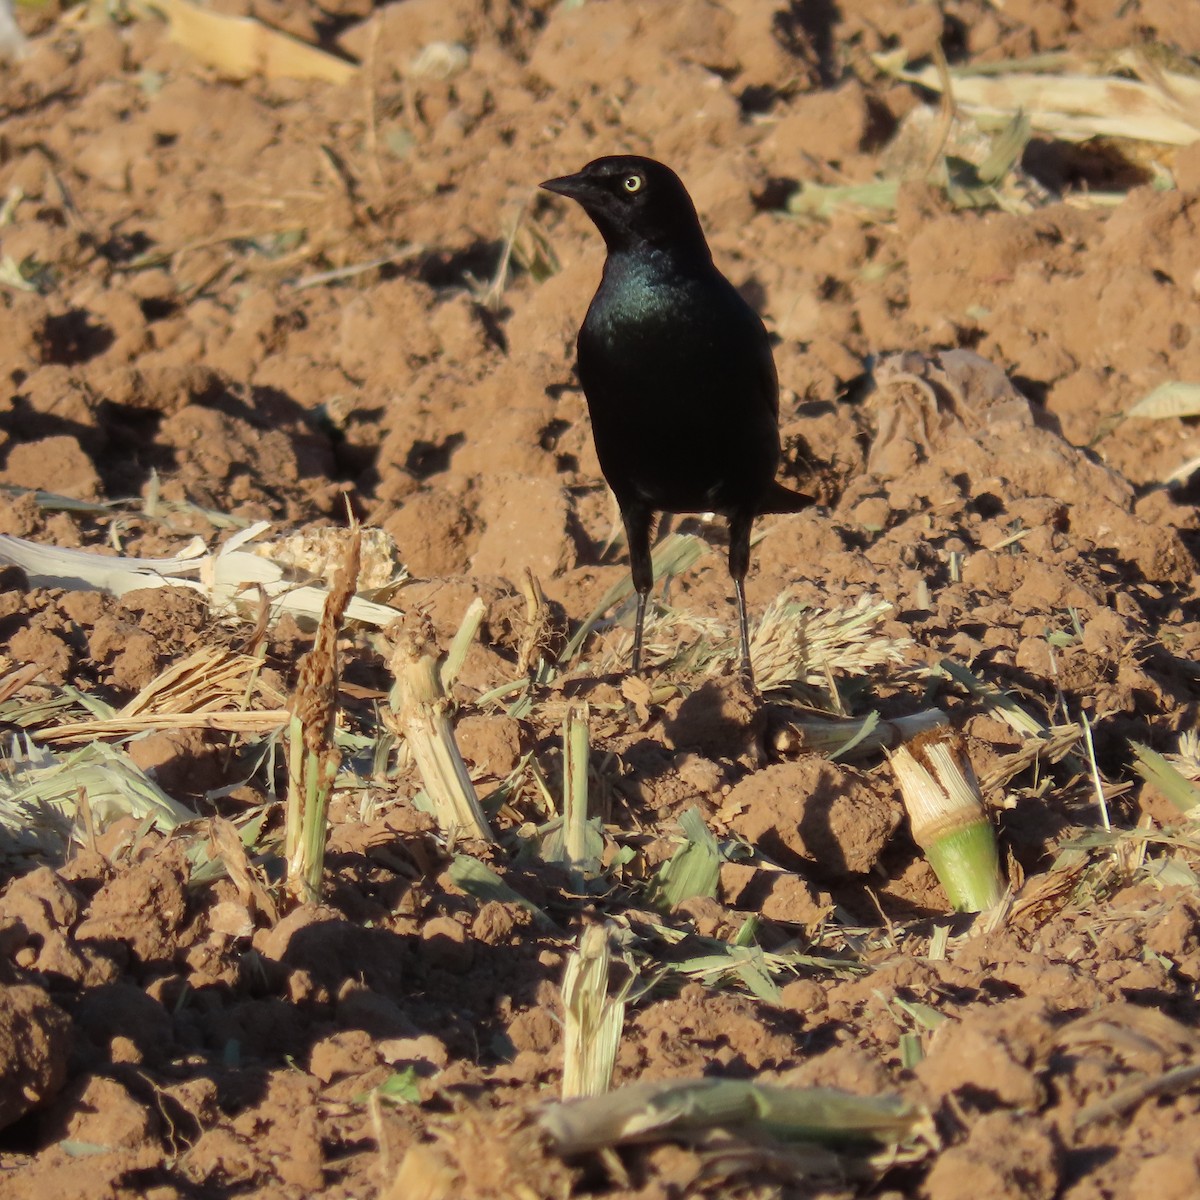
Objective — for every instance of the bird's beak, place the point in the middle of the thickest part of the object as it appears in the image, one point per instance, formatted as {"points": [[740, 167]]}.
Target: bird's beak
{"points": [[574, 186]]}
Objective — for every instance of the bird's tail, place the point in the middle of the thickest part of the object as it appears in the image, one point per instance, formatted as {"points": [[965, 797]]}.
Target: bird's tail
{"points": [[780, 499]]}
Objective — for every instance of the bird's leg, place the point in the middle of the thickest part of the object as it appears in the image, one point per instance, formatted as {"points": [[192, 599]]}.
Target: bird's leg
{"points": [[739, 563], [739, 587], [637, 534], [639, 623]]}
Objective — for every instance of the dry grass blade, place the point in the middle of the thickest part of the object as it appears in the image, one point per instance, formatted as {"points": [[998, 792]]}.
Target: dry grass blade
{"points": [[969, 185], [240, 47], [750, 965], [40, 792], [207, 690], [259, 721], [405, 253], [20, 276], [533, 251], [34, 716], [479, 880], [1052, 745], [540, 640], [209, 680], [976, 164], [1172, 399], [1123, 1099], [1046, 895], [313, 757], [13, 681], [1164, 775], [592, 1019], [13, 43], [1183, 472], [59, 566], [492, 296], [671, 636], [794, 642], [790, 643], [575, 840], [227, 845], [37, 816], [1186, 760], [1018, 719]]}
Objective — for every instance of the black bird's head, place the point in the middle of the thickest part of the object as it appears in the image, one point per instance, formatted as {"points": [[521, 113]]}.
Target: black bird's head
{"points": [[635, 202]]}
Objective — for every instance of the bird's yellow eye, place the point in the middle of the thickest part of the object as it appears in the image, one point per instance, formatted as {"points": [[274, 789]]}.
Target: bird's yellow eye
{"points": [[632, 183]]}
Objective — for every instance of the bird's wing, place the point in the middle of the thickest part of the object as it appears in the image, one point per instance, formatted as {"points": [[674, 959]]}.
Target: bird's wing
{"points": [[769, 375]]}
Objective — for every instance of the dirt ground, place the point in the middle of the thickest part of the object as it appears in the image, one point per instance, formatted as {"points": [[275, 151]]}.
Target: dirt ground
{"points": [[186, 331]]}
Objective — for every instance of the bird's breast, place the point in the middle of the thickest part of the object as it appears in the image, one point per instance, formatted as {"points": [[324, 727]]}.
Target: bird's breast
{"points": [[681, 388]]}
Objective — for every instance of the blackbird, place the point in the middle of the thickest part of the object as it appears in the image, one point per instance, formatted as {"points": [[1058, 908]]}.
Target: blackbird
{"points": [[677, 370]]}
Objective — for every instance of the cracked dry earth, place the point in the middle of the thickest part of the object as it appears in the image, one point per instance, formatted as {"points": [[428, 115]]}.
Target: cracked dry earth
{"points": [[189, 342]]}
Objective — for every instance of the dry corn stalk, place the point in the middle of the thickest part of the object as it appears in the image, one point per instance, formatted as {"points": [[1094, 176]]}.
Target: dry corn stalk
{"points": [[592, 1019], [948, 818], [857, 1126], [421, 714], [457, 654], [1074, 105], [537, 638], [575, 783], [313, 758]]}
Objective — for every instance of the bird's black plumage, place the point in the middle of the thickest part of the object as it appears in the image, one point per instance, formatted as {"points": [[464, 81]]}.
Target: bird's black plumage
{"points": [[677, 370]]}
